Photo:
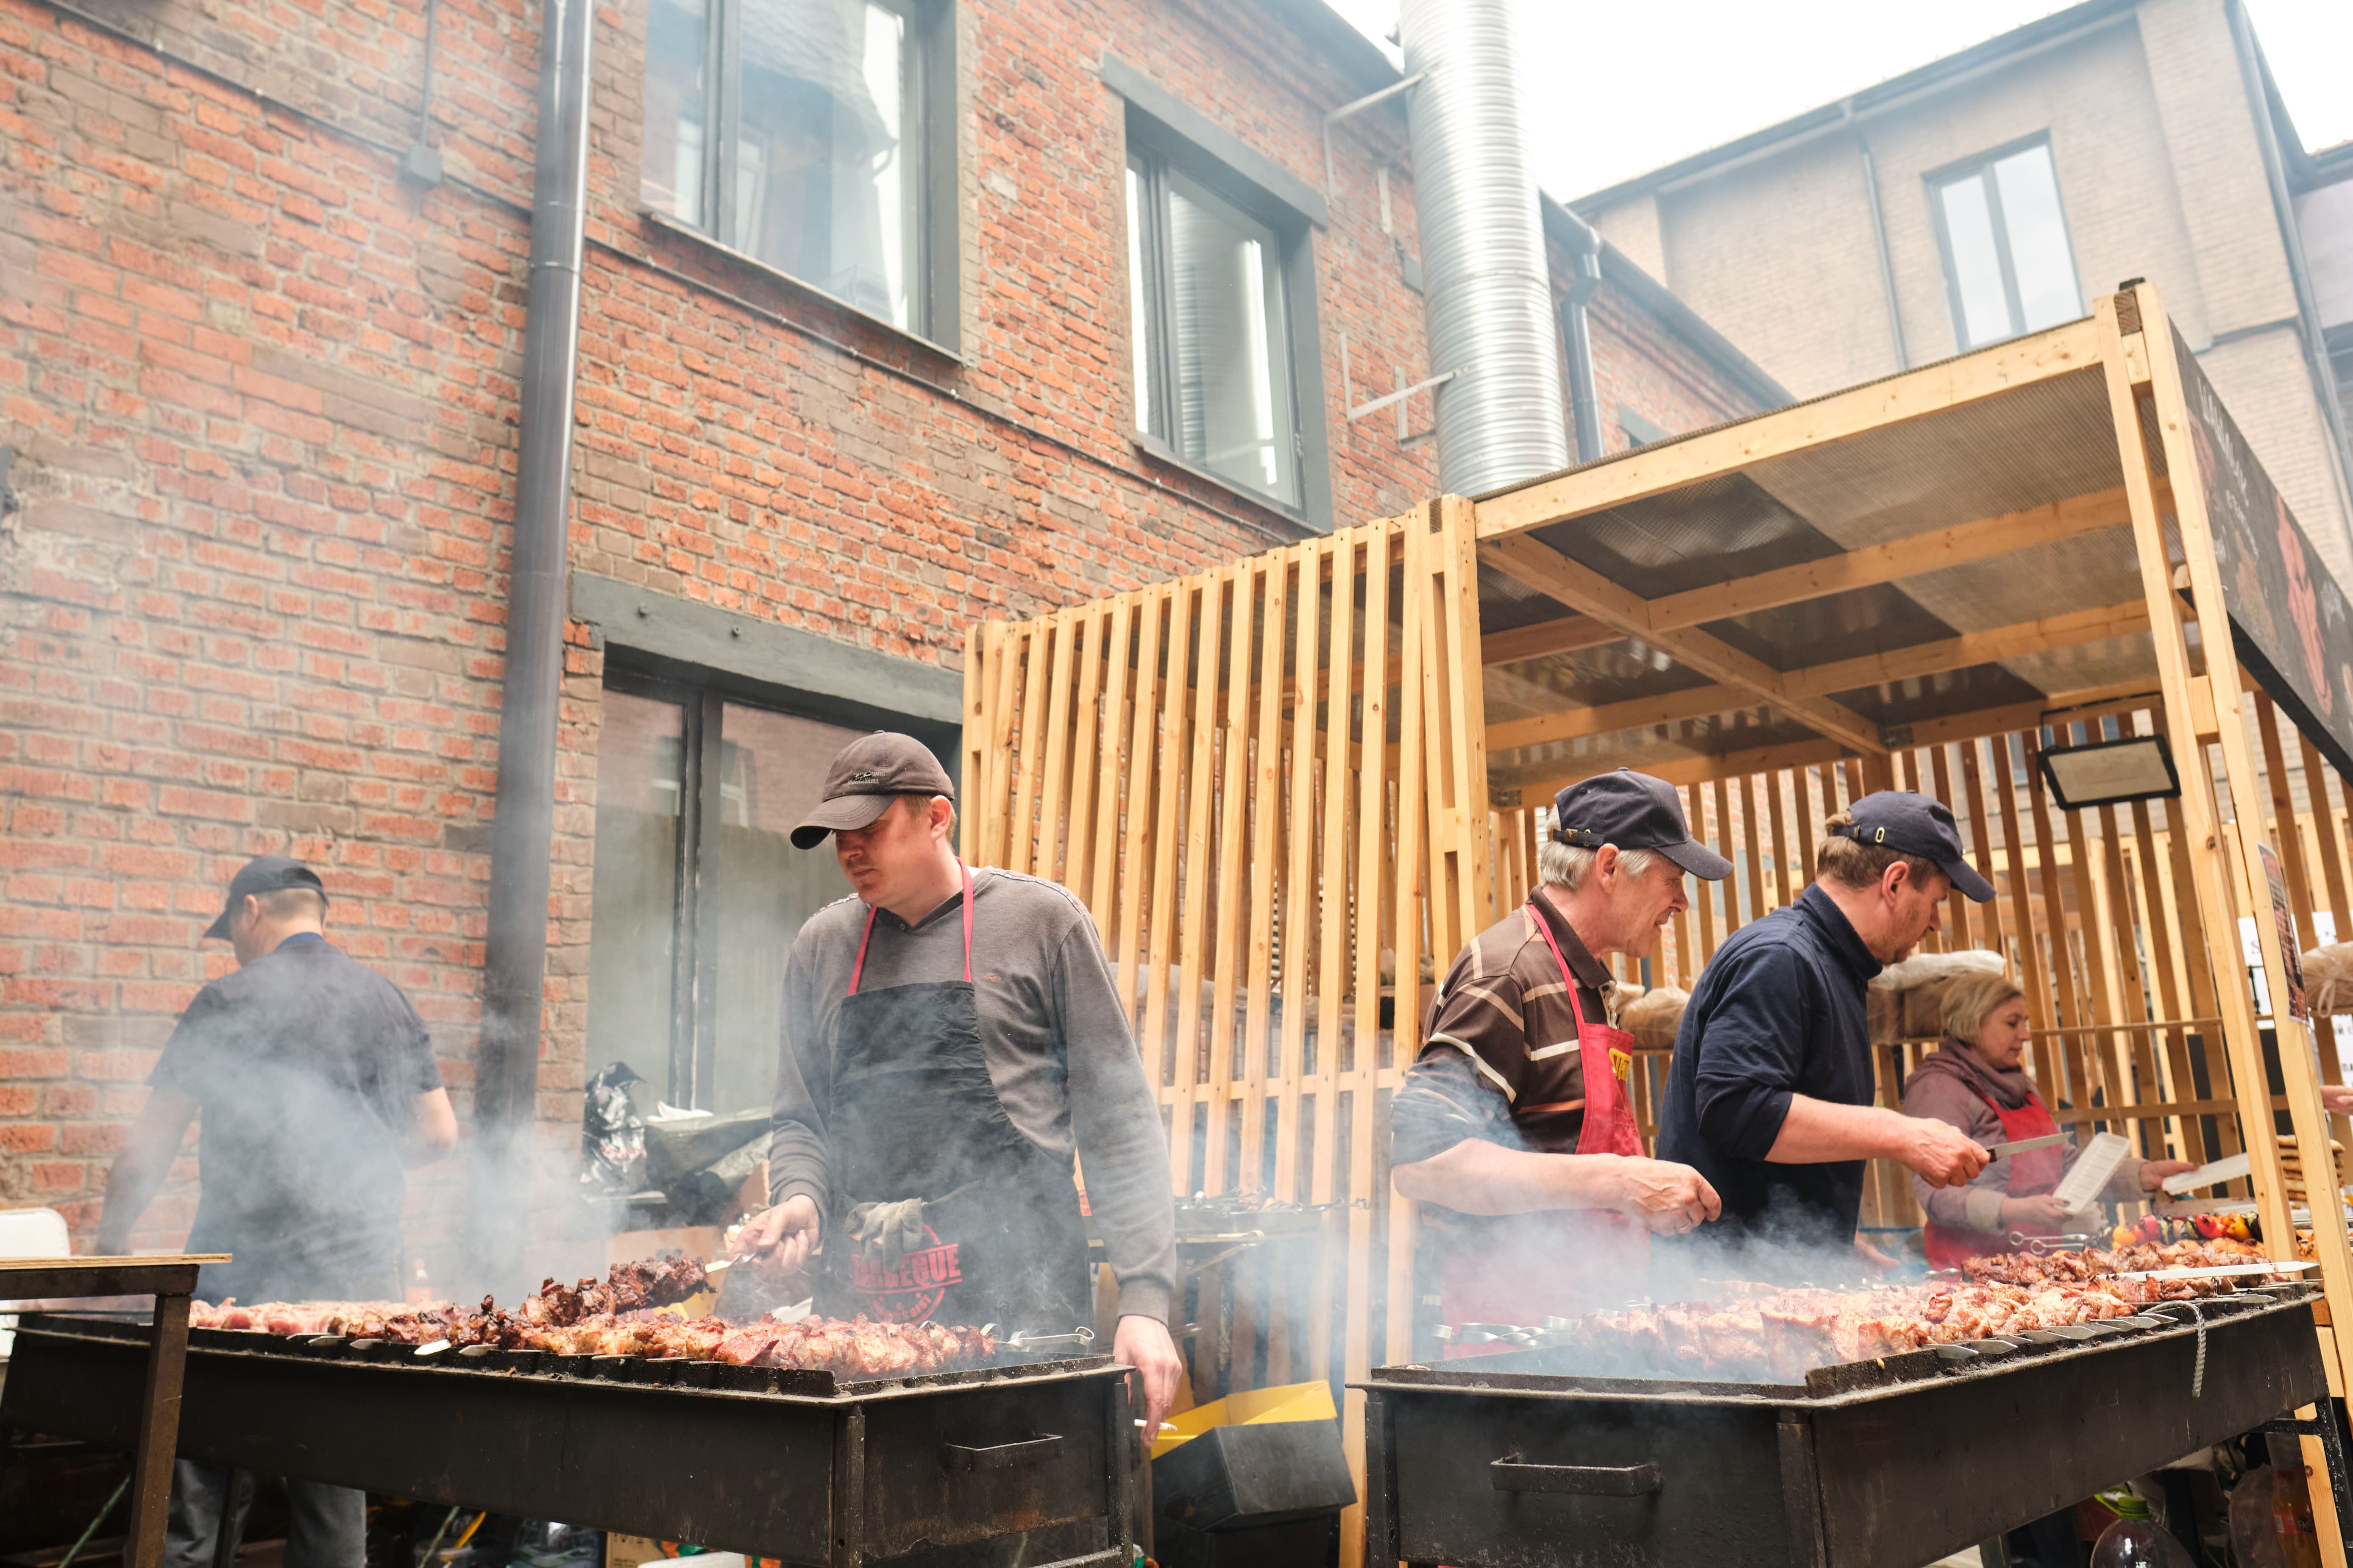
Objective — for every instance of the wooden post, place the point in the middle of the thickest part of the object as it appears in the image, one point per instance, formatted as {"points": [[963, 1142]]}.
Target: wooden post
{"points": [[2230, 881]]}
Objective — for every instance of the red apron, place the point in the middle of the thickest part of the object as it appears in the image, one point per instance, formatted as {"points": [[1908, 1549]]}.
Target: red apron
{"points": [[2031, 1174], [1559, 1262]]}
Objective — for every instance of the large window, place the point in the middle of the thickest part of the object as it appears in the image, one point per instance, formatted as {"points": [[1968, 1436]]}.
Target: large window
{"points": [[698, 890], [2008, 269], [799, 132], [1211, 324]]}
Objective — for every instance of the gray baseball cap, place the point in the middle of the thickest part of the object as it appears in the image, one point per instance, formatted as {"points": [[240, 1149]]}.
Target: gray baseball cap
{"points": [[871, 772]]}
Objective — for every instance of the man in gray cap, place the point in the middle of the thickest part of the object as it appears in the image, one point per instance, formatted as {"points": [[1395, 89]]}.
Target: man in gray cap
{"points": [[1514, 1126], [317, 1085], [952, 1038]]}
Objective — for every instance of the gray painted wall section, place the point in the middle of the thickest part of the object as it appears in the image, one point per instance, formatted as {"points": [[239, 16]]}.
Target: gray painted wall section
{"points": [[760, 650]]}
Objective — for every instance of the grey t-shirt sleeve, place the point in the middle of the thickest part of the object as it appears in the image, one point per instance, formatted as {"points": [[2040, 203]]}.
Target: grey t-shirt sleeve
{"points": [[1115, 1122], [796, 1163], [415, 1070]]}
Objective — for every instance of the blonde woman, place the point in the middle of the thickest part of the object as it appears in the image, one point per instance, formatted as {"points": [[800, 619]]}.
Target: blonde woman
{"points": [[1977, 1081]]}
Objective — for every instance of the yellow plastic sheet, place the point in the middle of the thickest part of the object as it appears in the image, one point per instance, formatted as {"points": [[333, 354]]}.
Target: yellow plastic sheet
{"points": [[1255, 1406]]}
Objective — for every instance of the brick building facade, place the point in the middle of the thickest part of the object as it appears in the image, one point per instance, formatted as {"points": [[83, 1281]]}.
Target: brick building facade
{"points": [[260, 414]]}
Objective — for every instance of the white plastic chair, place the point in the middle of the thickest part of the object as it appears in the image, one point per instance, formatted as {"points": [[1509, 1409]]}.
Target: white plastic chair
{"points": [[28, 1232]]}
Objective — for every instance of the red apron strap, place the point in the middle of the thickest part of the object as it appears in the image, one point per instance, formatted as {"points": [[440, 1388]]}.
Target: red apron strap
{"points": [[859, 967], [1544, 928]]}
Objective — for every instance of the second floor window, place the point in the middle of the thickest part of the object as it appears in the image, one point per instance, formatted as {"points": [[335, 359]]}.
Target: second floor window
{"points": [[794, 130], [1211, 330], [2008, 269]]}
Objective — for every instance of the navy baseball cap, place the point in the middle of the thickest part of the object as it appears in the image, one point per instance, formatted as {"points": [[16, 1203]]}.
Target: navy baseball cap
{"points": [[1633, 811], [264, 874], [1911, 822]]}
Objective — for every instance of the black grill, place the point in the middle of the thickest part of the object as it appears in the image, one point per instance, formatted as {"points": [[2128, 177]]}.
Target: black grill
{"points": [[777, 1463], [1508, 1461]]}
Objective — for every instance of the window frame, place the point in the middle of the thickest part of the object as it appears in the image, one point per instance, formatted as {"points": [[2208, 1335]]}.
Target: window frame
{"points": [[1162, 131], [929, 73], [1979, 166], [703, 694]]}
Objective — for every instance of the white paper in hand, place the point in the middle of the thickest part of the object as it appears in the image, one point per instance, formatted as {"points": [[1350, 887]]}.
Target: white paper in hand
{"points": [[2090, 1173], [2229, 1168]]}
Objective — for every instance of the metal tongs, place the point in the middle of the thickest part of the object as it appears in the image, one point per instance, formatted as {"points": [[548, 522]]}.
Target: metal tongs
{"points": [[1025, 1341], [2043, 1246]]}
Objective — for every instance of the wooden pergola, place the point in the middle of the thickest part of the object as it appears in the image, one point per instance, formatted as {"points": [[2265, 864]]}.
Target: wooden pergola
{"points": [[1289, 789]]}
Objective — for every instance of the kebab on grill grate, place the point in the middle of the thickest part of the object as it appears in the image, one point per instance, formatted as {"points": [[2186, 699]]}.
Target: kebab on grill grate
{"points": [[1756, 1331], [614, 1316]]}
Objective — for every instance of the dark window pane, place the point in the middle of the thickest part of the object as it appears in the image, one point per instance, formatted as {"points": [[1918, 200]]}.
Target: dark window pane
{"points": [[824, 136], [771, 770], [669, 178], [1225, 318], [633, 914], [2039, 253]]}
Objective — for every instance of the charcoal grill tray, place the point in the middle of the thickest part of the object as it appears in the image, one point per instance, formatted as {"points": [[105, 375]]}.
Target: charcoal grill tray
{"points": [[795, 1465], [1503, 1461]]}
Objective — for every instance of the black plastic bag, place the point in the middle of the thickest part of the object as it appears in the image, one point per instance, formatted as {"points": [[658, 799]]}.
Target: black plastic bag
{"points": [[612, 1139]]}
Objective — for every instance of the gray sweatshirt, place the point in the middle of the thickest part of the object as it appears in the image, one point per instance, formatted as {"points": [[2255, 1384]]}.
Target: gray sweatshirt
{"points": [[1051, 1029], [1951, 1085]]}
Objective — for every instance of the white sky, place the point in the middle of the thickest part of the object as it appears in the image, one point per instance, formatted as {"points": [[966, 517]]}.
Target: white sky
{"points": [[1613, 90]]}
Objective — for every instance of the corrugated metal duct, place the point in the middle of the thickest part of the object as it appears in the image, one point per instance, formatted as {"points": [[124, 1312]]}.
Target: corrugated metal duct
{"points": [[1486, 284]]}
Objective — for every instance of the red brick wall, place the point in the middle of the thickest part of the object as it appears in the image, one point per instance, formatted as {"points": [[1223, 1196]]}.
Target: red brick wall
{"points": [[261, 398]]}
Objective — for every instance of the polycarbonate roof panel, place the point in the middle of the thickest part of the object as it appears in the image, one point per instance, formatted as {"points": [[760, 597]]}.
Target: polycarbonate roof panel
{"points": [[2043, 442], [1703, 532]]}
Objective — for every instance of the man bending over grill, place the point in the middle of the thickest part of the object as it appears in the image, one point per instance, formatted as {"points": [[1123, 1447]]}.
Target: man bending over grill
{"points": [[1770, 1091], [317, 1085], [952, 1036], [1513, 1124]]}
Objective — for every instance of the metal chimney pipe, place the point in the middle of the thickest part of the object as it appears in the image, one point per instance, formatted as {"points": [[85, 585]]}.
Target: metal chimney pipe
{"points": [[1486, 287], [515, 955]]}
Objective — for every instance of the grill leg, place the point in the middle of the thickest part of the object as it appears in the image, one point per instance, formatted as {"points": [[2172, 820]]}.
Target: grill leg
{"points": [[2324, 1426], [236, 1489]]}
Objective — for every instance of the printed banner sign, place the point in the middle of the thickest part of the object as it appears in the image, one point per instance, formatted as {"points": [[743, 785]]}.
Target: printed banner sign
{"points": [[2294, 628]]}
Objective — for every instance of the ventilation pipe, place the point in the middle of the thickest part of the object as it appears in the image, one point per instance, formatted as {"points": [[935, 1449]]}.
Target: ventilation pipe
{"points": [[515, 958], [1486, 285]]}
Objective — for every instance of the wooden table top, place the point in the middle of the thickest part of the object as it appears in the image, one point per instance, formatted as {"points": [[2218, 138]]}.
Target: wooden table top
{"points": [[170, 1273]]}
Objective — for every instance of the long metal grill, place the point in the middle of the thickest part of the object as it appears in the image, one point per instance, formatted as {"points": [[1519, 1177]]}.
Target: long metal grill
{"points": [[770, 1461], [1506, 1461]]}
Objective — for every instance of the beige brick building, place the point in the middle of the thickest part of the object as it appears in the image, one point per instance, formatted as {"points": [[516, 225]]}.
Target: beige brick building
{"points": [[1998, 190]]}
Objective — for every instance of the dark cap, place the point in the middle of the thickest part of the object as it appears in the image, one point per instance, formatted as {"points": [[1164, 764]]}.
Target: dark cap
{"points": [[1910, 821], [1633, 811], [264, 874], [869, 774]]}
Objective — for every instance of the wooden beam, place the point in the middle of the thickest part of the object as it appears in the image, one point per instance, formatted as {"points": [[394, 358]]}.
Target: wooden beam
{"points": [[1898, 558], [1566, 635], [1680, 764], [1971, 649], [1911, 663], [1647, 470], [1635, 713], [1579, 587]]}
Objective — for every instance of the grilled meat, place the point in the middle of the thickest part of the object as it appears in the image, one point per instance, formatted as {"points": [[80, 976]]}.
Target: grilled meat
{"points": [[1750, 1332], [618, 1316]]}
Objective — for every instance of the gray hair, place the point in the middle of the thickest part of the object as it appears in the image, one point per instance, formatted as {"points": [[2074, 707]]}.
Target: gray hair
{"points": [[1566, 865]]}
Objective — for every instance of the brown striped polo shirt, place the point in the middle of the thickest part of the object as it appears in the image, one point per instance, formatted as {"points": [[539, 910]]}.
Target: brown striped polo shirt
{"points": [[1500, 1058]]}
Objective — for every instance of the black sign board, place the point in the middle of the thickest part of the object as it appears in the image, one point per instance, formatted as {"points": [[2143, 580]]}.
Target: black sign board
{"points": [[2294, 627]]}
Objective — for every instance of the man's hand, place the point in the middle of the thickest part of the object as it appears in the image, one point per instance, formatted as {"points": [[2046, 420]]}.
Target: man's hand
{"points": [[1871, 1257], [1669, 1198], [2154, 1172], [2336, 1099], [1144, 1343], [1943, 1155], [781, 1236], [2046, 1209]]}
